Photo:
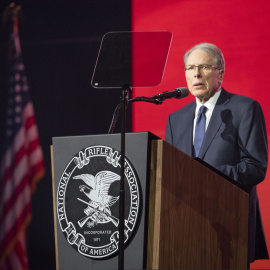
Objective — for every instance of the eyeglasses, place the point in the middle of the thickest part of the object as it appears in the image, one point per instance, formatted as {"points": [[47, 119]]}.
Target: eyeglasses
{"points": [[206, 68]]}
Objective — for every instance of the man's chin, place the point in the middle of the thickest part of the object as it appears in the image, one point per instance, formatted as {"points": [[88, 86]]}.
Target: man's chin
{"points": [[202, 96], [200, 93]]}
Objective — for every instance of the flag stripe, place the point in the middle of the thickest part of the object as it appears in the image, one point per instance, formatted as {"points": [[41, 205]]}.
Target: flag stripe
{"points": [[8, 210], [12, 160], [17, 259], [12, 233], [22, 165], [13, 173], [15, 177], [19, 204], [20, 250], [21, 138], [15, 152]]}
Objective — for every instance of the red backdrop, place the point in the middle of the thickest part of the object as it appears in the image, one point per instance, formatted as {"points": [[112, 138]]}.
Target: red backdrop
{"points": [[240, 28]]}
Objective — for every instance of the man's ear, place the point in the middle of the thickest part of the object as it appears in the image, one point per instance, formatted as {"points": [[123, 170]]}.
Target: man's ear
{"points": [[221, 75]]}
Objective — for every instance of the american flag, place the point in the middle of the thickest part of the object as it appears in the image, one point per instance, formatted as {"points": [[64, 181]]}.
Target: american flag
{"points": [[22, 166]]}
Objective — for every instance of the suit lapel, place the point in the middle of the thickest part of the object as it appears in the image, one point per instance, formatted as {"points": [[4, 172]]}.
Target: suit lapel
{"points": [[189, 129], [214, 123]]}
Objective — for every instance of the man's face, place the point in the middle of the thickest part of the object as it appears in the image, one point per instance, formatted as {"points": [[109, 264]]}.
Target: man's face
{"points": [[203, 84]]}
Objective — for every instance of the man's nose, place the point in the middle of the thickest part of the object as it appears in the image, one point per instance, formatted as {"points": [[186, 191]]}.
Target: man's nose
{"points": [[197, 71]]}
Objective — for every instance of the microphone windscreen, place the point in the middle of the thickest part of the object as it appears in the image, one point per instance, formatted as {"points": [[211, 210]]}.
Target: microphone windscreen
{"points": [[184, 91]]}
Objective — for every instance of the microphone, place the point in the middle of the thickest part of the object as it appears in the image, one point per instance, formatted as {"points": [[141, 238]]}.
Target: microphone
{"points": [[176, 93]]}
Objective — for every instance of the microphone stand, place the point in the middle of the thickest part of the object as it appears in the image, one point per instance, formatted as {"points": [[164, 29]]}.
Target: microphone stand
{"points": [[119, 106], [126, 90]]}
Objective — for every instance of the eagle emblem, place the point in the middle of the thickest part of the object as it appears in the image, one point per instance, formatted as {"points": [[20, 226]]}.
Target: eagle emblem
{"points": [[96, 189]]}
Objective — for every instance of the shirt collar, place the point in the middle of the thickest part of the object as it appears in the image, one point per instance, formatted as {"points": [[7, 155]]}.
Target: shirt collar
{"points": [[210, 103]]}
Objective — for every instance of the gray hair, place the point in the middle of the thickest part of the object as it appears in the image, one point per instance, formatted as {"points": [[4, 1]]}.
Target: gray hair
{"points": [[210, 48]]}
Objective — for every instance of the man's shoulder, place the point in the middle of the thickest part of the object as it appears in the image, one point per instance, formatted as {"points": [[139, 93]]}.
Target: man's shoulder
{"points": [[237, 96], [187, 108], [237, 99]]}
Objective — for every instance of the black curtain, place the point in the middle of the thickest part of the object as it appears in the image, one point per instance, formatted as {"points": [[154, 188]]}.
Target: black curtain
{"points": [[60, 42]]}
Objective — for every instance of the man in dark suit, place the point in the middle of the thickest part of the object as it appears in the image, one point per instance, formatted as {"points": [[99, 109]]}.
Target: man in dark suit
{"points": [[228, 133]]}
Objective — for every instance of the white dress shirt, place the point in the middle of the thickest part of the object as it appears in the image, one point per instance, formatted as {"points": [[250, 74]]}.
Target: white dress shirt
{"points": [[210, 105]]}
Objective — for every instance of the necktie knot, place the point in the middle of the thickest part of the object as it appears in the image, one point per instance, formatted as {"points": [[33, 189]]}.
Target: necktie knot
{"points": [[203, 109]]}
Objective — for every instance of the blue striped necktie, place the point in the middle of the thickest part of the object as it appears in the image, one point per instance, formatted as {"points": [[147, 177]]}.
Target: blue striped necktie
{"points": [[199, 130]]}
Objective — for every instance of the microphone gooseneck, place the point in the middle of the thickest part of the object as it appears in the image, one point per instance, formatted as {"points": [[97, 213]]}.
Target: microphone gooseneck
{"points": [[180, 92]]}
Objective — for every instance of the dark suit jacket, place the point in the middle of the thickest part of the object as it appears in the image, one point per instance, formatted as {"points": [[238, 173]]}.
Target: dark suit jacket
{"points": [[235, 143]]}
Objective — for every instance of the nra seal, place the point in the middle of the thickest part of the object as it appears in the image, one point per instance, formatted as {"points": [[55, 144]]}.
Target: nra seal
{"points": [[88, 201]]}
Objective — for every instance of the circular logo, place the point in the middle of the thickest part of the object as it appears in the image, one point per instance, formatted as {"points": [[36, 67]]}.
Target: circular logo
{"points": [[88, 201]]}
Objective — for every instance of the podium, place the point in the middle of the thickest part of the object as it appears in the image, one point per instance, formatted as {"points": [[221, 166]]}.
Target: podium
{"points": [[187, 215]]}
